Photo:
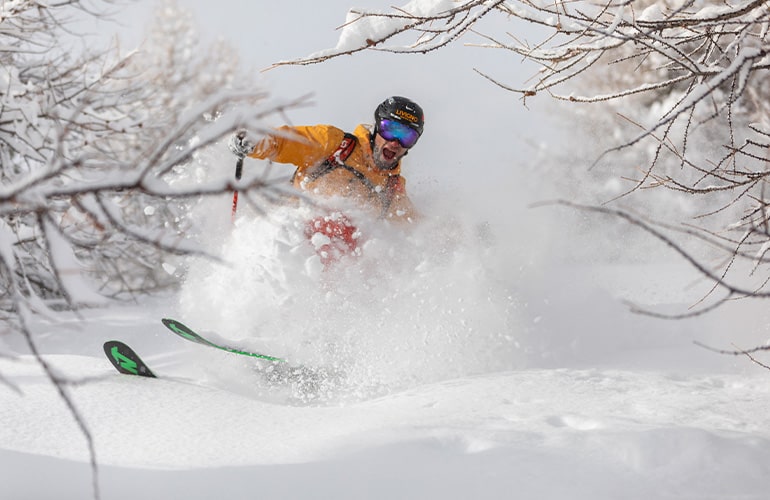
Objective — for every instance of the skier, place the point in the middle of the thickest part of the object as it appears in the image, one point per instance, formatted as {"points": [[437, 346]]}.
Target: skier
{"points": [[364, 166]]}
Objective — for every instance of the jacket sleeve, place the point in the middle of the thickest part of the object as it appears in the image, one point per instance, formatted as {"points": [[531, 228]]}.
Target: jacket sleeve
{"points": [[303, 146]]}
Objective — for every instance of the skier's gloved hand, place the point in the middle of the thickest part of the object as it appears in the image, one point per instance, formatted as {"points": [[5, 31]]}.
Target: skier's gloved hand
{"points": [[239, 145]]}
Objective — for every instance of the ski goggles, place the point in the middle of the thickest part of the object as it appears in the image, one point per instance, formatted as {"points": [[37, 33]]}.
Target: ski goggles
{"points": [[392, 130]]}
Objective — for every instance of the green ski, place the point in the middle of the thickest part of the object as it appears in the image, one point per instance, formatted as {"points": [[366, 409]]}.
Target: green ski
{"points": [[125, 360], [186, 333], [306, 384]]}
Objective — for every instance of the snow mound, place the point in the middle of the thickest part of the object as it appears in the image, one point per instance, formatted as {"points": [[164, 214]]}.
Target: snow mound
{"points": [[603, 433]]}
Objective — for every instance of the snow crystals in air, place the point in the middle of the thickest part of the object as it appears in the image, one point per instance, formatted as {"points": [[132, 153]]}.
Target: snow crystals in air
{"points": [[469, 372]]}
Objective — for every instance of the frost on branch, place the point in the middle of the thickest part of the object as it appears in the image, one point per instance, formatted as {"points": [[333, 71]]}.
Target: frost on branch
{"points": [[95, 149], [681, 88], [435, 22]]}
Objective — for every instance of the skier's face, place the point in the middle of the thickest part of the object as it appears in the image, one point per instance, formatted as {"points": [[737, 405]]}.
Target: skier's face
{"points": [[387, 154]]}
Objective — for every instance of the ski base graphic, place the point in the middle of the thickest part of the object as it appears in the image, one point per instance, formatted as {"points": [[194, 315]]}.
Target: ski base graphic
{"points": [[125, 360]]}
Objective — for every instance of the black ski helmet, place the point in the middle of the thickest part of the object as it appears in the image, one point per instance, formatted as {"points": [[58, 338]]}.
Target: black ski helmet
{"points": [[401, 109]]}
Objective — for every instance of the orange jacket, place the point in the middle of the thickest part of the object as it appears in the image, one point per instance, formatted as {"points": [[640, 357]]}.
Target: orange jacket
{"points": [[359, 179]]}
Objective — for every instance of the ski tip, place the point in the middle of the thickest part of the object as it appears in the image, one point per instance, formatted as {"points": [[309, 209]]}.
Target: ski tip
{"points": [[125, 360], [182, 330], [175, 326]]}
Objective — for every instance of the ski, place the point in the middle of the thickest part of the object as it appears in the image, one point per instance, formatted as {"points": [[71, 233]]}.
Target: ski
{"points": [[125, 360], [188, 334], [306, 384]]}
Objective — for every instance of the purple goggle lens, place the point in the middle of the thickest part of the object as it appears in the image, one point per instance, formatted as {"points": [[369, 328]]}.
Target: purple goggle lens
{"points": [[391, 130]]}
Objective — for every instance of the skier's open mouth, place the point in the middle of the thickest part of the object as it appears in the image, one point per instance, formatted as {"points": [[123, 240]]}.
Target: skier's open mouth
{"points": [[388, 154]]}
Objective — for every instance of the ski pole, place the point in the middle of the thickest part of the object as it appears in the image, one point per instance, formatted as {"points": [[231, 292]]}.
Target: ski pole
{"points": [[238, 172]]}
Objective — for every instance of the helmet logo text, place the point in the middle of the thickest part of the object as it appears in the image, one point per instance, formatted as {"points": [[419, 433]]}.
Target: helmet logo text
{"points": [[406, 115]]}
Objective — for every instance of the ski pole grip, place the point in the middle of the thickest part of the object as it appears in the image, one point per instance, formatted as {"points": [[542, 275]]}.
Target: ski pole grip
{"points": [[238, 171], [238, 168]]}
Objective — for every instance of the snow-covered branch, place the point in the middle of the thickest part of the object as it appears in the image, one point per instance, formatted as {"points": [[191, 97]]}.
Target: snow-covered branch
{"points": [[97, 153], [437, 23], [683, 75], [88, 142]]}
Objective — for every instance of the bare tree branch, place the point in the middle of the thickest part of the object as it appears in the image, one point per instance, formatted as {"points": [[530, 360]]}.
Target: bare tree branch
{"points": [[88, 142], [696, 72], [740, 352]]}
